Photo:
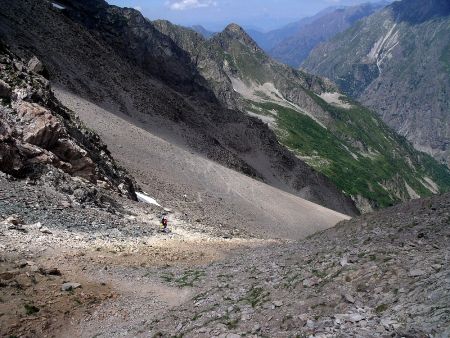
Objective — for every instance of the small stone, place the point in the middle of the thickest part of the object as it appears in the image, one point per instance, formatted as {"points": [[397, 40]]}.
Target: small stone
{"points": [[17, 227], [246, 316], [311, 282], [66, 204], [179, 326], [37, 225], [70, 286], [8, 275], [437, 267], [23, 263], [233, 335], [355, 317], [256, 328], [51, 271], [344, 261], [416, 273], [18, 66], [13, 219], [349, 298], [45, 230], [278, 303], [387, 323]]}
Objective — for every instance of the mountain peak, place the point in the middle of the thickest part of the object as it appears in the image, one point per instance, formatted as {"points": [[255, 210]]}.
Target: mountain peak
{"points": [[235, 32], [234, 28]]}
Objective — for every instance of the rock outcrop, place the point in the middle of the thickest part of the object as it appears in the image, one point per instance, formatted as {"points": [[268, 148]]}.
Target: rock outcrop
{"points": [[37, 132]]}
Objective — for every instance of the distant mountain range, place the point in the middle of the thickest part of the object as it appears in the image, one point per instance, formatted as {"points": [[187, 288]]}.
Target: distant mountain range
{"points": [[226, 99], [397, 61], [293, 43], [310, 116], [202, 31]]}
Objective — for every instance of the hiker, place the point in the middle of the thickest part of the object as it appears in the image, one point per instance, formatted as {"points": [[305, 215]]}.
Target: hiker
{"points": [[164, 223]]}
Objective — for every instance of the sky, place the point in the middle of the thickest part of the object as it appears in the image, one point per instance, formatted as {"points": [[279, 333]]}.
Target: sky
{"points": [[214, 15]]}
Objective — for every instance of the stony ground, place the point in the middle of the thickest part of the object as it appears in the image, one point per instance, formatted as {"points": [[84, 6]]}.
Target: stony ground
{"points": [[381, 275], [61, 237]]}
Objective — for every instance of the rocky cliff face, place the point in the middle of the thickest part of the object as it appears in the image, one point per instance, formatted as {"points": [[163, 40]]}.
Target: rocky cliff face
{"points": [[37, 133], [117, 58], [332, 133], [397, 61]]}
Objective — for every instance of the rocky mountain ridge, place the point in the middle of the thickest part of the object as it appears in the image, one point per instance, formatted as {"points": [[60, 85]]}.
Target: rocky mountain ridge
{"points": [[310, 116], [138, 71], [396, 62]]}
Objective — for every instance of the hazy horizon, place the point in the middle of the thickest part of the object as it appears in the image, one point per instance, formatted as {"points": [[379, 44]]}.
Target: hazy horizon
{"points": [[214, 15]]}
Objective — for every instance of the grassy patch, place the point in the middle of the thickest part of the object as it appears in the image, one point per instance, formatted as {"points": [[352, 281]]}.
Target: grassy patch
{"points": [[231, 323], [30, 309], [320, 274], [381, 308], [358, 152], [188, 278], [256, 296]]}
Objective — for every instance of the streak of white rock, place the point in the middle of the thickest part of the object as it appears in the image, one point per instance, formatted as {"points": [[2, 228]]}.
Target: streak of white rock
{"points": [[383, 47], [251, 92], [146, 199], [58, 6]]}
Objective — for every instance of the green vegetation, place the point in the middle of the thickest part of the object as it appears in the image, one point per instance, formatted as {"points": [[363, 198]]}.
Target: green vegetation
{"points": [[188, 278], [381, 308], [256, 296], [358, 152], [247, 61], [30, 309]]}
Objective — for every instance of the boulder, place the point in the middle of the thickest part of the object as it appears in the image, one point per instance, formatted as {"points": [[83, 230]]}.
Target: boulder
{"points": [[51, 271], [40, 127], [35, 65], [307, 283], [416, 273], [349, 298], [13, 220], [70, 286], [80, 164]]}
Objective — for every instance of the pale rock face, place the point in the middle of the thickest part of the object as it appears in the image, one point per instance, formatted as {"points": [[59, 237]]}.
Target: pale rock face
{"points": [[40, 128], [37, 132], [35, 65]]}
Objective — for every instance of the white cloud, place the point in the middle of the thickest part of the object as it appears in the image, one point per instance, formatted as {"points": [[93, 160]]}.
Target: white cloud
{"points": [[181, 5]]}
